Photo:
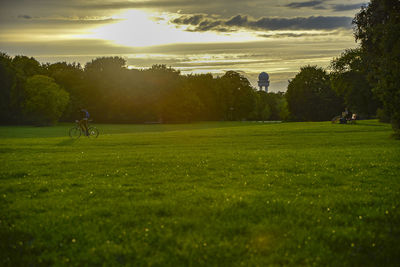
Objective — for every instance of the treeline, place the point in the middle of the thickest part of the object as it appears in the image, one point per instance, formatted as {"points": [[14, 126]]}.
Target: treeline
{"points": [[43, 94]]}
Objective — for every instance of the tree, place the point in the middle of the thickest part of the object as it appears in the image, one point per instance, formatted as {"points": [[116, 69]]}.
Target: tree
{"points": [[181, 105], [349, 80], [377, 27], [262, 110], [24, 67], [282, 107], [8, 80], [270, 106], [310, 96], [105, 80], [238, 97], [70, 78], [27, 66], [204, 87], [163, 83], [44, 100]]}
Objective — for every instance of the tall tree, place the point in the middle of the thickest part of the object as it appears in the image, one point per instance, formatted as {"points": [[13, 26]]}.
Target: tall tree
{"points": [[377, 27], [204, 86], [310, 96], [162, 87], [8, 80], [238, 96], [70, 78], [104, 81], [24, 68], [349, 80]]}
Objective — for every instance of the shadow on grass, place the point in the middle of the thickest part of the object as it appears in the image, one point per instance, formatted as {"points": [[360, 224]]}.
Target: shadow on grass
{"points": [[67, 142], [18, 247], [395, 136]]}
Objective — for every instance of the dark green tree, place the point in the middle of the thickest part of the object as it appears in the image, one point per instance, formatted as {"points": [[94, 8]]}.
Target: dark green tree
{"points": [[310, 96], [162, 87], [204, 86], [270, 106], [27, 66], [181, 105], [104, 86], [237, 97], [44, 100], [24, 68], [70, 78], [377, 27], [7, 84], [262, 109], [349, 80]]}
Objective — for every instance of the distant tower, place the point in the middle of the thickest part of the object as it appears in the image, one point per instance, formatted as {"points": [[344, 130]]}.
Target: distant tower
{"points": [[263, 81]]}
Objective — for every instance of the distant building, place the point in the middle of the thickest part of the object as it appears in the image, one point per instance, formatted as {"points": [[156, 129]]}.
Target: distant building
{"points": [[263, 81]]}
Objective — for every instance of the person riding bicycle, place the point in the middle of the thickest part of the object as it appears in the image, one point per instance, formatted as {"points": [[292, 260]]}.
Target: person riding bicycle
{"points": [[83, 123]]}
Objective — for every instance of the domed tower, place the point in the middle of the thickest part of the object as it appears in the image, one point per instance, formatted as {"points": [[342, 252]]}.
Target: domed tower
{"points": [[263, 81]]}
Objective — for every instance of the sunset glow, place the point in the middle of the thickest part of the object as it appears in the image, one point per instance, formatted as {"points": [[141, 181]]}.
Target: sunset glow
{"points": [[139, 29]]}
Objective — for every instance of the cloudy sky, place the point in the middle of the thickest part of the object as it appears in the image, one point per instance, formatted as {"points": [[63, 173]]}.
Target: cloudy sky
{"points": [[195, 36]]}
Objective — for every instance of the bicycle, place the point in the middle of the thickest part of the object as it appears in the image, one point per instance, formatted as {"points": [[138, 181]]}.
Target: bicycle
{"points": [[76, 131]]}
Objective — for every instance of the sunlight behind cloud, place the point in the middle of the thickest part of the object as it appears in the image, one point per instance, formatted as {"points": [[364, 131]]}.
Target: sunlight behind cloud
{"points": [[137, 28]]}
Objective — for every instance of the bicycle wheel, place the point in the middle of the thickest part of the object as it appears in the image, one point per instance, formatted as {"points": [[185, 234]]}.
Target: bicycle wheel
{"points": [[75, 132], [93, 132]]}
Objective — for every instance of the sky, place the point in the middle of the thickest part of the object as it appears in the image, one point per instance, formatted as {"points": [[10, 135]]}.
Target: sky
{"points": [[194, 36]]}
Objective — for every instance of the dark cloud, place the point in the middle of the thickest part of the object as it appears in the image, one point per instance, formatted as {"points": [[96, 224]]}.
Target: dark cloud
{"points": [[339, 8], [310, 23], [188, 20], [201, 23], [237, 21], [135, 4], [319, 5], [10, 9], [209, 25], [24, 17], [311, 4], [296, 35]]}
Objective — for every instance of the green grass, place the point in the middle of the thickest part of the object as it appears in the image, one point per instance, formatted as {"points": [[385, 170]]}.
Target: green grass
{"points": [[206, 194]]}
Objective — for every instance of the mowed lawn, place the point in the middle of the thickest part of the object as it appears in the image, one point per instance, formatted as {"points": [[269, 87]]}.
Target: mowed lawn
{"points": [[204, 194]]}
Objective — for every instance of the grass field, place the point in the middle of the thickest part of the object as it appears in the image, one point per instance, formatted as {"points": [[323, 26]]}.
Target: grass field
{"points": [[206, 194]]}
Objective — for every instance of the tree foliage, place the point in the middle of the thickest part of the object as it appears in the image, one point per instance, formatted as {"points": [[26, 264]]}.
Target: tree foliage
{"points": [[70, 78], [310, 96], [271, 106], [13, 74], [114, 93], [44, 100], [237, 95], [8, 80], [349, 80], [377, 27]]}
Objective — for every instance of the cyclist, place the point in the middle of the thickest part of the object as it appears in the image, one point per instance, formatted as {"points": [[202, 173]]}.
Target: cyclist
{"points": [[83, 123]]}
